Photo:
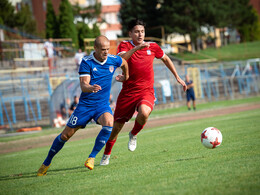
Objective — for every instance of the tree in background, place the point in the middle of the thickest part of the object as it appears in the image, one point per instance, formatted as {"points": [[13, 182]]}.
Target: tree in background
{"points": [[90, 14], [145, 10], [255, 28], [83, 32], [7, 16], [244, 19], [182, 17], [67, 28], [51, 23], [95, 30], [187, 17], [24, 20]]}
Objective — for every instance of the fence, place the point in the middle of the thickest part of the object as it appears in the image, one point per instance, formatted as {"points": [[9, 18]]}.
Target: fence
{"points": [[24, 99], [34, 98]]}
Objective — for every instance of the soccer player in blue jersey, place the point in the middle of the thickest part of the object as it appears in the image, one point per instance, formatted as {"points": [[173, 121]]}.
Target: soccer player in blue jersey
{"points": [[95, 74]]}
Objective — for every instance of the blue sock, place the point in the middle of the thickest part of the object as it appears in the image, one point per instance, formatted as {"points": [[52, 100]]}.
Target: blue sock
{"points": [[101, 140], [57, 144]]}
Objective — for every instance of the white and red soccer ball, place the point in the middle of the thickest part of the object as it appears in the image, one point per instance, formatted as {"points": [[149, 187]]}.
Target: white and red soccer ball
{"points": [[211, 137]]}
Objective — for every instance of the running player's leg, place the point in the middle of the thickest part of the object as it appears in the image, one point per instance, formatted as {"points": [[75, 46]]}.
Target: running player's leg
{"points": [[125, 108], [78, 119], [141, 119], [57, 145], [106, 120], [117, 127], [145, 104], [143, 113], [111, 141], [144, 107]]}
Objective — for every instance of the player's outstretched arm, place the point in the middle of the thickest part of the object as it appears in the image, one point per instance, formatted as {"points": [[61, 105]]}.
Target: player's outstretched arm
{"points": [[167, 61], [125, 75], [128, 54], [86, 87]]}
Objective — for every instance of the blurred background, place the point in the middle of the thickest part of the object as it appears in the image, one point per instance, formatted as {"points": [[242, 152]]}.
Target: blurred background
{"points": [[215, 42]]}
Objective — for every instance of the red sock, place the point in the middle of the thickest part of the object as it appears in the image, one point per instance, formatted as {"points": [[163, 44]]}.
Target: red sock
{"points": [[109, 146], [137, 128]]}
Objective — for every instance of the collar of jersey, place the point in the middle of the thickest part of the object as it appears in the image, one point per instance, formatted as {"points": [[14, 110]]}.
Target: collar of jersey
{"points": [[133, 43], [102, 63]]}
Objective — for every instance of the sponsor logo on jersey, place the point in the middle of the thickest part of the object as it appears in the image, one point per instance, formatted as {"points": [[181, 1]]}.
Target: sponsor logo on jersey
{"points": [[94, 69], [149, 52], [111, 68]]}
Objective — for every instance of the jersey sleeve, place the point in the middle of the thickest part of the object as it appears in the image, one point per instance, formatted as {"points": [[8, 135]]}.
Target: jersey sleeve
{"points": [[84, 69], [122, 47], [119, 61], [158, 51]]}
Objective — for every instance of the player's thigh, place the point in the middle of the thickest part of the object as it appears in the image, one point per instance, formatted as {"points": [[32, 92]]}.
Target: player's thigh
{"points": [[81, 116], [106, 119], [125, 108], [100, 115], [145, 103]]}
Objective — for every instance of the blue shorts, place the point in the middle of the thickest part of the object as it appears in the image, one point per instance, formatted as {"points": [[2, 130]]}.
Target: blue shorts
{"points": [[190, 95], [82, 115]]}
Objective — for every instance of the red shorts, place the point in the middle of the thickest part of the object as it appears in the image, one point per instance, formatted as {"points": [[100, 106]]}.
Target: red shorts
{"points": [[126, 105]]}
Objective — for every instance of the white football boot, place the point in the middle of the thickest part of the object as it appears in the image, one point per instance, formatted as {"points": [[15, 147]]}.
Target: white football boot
{"points": [[132, 142], [105, 160]]}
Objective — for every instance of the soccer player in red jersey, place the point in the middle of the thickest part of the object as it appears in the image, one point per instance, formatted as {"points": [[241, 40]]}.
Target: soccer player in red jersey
{"points": [[137, 93]]}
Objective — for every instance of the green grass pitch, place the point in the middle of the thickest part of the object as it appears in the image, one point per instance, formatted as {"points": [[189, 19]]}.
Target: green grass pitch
{"points": [[168, 160]]}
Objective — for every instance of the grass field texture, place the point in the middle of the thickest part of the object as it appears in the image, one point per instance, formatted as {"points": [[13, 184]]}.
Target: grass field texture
{"points": [[242, 51], [168, 160], [155, 113]]}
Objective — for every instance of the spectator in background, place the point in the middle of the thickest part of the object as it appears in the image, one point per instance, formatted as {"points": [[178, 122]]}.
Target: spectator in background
{"points": [[73, 105], [64, 109], [49, 51], [78, 58], [190, 95]]}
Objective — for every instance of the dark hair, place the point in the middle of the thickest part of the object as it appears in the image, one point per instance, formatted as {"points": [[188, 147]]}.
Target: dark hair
{"points": [[135, 22]]}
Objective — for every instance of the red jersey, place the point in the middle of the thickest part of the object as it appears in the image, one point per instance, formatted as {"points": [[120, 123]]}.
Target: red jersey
{"points": [[141, 74]]}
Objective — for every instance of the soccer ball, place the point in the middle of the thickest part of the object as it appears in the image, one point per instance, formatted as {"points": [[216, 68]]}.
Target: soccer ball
{"points": [[211, 137]]}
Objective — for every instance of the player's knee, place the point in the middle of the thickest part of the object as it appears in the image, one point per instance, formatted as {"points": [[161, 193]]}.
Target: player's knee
{"points": [[144, 114], [109, 123], [64, 137]]}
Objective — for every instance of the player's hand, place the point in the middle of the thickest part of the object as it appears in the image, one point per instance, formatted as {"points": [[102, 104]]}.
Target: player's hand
{"points": [[184, 86], [120, 78], [141, 46], [95, 88]]}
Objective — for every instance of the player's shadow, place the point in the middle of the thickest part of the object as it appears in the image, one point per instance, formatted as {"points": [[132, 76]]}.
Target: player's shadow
{"points": [[34, 174]]}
